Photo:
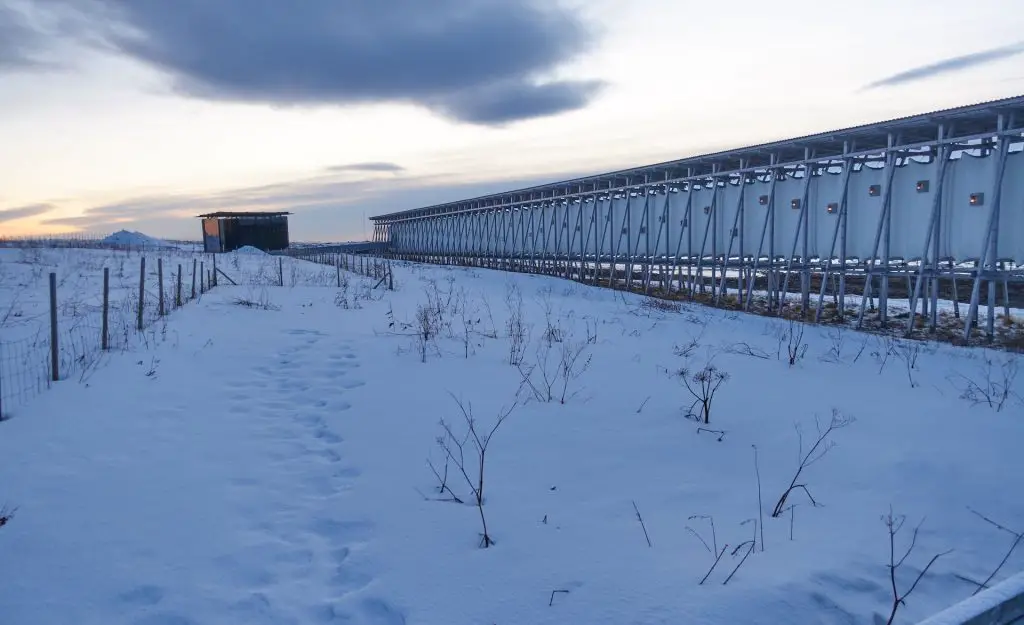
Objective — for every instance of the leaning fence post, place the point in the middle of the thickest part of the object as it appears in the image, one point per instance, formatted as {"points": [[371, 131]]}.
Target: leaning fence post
{"points": [[391, 277], [104, 340], [142, 290], [177, 294], [160, 281], [280, 270], [202, 278], [54, 348], [193, 278], [213, 274]]}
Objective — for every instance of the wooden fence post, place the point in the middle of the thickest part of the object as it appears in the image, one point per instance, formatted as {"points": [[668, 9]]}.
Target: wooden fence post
{"points": [[104, 339], [213, 281], [280, 270], [177, 294], [337, 264], [142, 290], [54, 348], [160, 281], [202, 278], [193, 278]]}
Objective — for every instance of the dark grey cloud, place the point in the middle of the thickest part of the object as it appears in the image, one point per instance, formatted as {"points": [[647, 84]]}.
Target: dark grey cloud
{"points": [[21, 212], [367, 167], [508, 102], [480, 61], [949, 65], [18, 41]]}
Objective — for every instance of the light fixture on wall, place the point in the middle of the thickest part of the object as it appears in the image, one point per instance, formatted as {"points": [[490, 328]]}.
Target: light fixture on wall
{"points": [[832, 208], [875, 190], [763, 200], [977, 199], [707, 210], [795, 204], [922, 186]]}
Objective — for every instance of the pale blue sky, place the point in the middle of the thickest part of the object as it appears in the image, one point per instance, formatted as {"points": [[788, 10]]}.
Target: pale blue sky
{"points": [[140, 114]]}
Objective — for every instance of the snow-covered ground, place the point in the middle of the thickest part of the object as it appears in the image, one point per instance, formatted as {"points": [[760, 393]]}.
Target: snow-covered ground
{"points": [[25, 298], [266, 461]]}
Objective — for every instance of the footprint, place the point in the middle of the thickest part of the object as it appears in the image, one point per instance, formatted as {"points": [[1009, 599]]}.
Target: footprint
{"points": [[330, 613], [346, 581], [379, 612], [301, 332], [144, 595], [247, 573], [329, 455], [350, 384], [327, 436], [345, 530]]}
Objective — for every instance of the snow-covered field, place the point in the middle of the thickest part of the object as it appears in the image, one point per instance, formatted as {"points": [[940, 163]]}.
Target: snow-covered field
{"points": [[275, 462], [25, 301]]}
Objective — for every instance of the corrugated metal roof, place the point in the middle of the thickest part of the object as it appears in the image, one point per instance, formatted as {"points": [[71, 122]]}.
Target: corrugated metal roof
{"points": [[229, 215]]}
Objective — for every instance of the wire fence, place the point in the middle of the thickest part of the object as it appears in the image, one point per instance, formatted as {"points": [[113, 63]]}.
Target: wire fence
{"points": [[98, 241], [117, 302], [79, 332]]}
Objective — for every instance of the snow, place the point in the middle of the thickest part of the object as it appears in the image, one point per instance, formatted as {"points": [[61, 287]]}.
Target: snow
{"points": [[268, 464], [991, 599], [133, 239], [248, 249]]}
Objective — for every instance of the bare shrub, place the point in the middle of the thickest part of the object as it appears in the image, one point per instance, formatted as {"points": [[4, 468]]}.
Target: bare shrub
{"points": [[469, 324], [790, 336], [472, 468], [885, 348], [517, 330], [687, 348], [994, 386], [822, 445], [554, 378], [746, 349], [894, 524], [796, 347], [702, 385], [837, 340], [909, 351], [6, 514], [653, 304], [256, 299], [1017, 538], [442, 477], [642, 524], [426, 331], [553, 332], [341, 299]]}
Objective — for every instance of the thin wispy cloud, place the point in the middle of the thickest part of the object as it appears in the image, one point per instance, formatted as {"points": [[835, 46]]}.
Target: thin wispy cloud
{"points": [[324, 207], [478, 61], [367, 167], [950, 65], [22, 212]]}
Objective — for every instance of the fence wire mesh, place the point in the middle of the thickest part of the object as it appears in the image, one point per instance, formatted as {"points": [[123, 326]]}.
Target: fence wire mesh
{"points": [[26, 362]]}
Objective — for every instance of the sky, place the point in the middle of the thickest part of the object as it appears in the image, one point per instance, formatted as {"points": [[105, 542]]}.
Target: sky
{"points": [[142, 114]]}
